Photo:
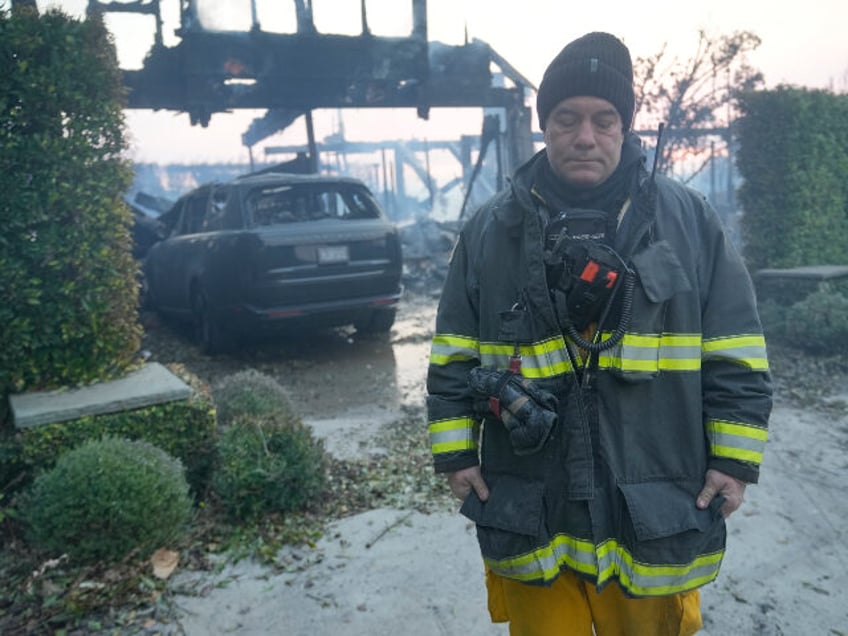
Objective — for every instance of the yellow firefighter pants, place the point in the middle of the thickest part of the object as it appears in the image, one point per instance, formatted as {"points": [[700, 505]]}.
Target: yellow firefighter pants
{"points": [[571, 607]]}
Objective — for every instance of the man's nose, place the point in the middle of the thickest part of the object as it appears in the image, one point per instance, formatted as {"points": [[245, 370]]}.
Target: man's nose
{"points": [[585, 133]]}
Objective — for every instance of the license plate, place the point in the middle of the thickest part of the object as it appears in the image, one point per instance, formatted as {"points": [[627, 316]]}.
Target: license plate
{"points": [[333, 254]]}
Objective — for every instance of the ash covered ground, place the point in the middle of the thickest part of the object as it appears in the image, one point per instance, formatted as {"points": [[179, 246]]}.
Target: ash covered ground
{"points": [[410, 562]]}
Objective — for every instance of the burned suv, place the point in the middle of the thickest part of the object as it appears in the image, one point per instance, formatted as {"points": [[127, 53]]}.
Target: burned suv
{"points": [[272, 249]]}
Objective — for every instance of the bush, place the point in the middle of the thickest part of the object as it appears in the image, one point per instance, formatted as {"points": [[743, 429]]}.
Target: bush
{"points": [[106, 498], [68, 289], [268, 466], [793, 158], [268, 461], [774, 315], [819, 323], [183, 428], [252, 394]]}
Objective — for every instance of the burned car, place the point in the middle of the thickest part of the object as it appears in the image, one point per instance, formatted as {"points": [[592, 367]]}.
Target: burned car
{"points": [[273, 249]]}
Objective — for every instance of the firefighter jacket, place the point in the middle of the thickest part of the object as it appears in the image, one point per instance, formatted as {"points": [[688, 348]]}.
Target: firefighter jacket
{"points": [[611, 493]]}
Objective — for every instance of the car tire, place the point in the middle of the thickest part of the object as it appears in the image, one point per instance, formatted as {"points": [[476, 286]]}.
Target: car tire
{"points": [[208, 334], [379, 321]]}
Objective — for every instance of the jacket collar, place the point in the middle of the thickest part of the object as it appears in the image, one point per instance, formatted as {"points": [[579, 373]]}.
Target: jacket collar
{"points": [[641, 213], [520, 187]]}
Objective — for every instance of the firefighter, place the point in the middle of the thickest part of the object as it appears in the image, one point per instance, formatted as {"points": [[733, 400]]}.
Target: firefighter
{"points": [[598, 387]]}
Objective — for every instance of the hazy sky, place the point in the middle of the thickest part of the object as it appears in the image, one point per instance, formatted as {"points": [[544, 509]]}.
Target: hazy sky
{"points": [[804, 44]]}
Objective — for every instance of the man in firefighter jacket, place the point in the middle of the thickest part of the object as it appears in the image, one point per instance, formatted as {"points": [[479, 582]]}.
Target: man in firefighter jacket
{"points": [[598, 388]]}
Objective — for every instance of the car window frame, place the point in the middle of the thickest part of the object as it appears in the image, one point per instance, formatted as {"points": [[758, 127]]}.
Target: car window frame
{"points": [[357, 200], [218, 203], [198, 200]]}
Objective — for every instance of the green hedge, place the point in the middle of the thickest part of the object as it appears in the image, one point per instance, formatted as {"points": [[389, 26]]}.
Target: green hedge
{"points": [[185, 429], [793, 156], [68, 290]]}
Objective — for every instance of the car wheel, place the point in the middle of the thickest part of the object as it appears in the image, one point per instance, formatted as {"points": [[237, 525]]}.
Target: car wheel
{"points": [[379, 321], [208, 334]]}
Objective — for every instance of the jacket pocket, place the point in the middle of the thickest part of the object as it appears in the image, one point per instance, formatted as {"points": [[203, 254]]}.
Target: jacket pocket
{"points": [[515, 326], [660, 272], [661, 277], [514, 505], [665, 508]]}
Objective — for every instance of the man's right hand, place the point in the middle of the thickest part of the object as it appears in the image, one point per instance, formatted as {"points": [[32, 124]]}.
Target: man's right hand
{"points": [[462, 481]]}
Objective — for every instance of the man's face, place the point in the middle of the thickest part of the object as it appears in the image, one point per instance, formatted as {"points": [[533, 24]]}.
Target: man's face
{"points": [[583, 136]]}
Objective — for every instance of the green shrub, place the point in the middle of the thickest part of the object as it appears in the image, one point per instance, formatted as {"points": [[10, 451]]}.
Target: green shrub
{"points": [[773, 316], [68, 288], [107, 498], [267, 466], [793, 158], [11, 462], [183, 428], [268, 461], [250, 393], [819, 323]]}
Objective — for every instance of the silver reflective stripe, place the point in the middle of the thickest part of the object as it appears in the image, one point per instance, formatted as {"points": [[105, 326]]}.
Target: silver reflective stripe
{"points": [[749, 350], [607, 561], [545, 563], [736, 440], [639, 353], [452, 435], [543, 359], [660, 580], [446, 349]]}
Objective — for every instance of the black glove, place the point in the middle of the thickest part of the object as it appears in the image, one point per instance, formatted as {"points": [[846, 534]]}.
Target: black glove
{"points": [[528, 412]]}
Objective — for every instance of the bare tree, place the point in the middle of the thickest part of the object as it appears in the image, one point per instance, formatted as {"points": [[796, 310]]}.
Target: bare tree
{"points": [[694, 97]]}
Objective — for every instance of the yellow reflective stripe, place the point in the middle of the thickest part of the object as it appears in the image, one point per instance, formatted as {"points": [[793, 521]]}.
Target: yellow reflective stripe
{"points": [[607, 560], [447, 348], [680, 352], [645, 579], [641, 353], [737, 453], [737, 441], [637, 353], [543, 359], [749, 350], [455, 434], [545, 563]]}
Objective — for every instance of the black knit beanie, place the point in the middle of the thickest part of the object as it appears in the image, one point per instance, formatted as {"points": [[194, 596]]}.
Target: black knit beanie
{"points": [[595, 65]]}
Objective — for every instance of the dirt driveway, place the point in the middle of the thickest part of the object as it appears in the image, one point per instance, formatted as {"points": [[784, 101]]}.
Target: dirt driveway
{"points": [[393, 570]]}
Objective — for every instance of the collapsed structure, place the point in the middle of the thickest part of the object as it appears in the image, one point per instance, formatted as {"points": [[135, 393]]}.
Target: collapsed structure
{"points": [[292, 74]]}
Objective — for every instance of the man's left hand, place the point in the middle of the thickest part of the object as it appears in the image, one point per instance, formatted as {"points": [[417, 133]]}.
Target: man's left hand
{"points": [[717, 483]]}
